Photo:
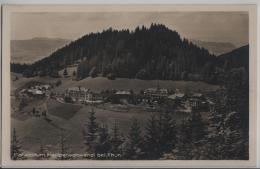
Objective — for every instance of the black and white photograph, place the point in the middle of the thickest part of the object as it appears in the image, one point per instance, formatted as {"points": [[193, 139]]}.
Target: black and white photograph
{"points": [[130, 85]]}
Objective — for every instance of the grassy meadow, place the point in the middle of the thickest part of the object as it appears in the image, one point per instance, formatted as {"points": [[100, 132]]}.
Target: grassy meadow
{"points": [[36, 131]]}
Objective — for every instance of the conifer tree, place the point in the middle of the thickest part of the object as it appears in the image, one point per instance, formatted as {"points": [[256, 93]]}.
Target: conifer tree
{"points": [[63, 149], [103, 143], [183, 148], [237, 118], [116, 140], [152, 139], [16, 148], [134, 147], [226, 139], [167, 130], [216, 137], [235, 145], [197, 127], [91, 132]]}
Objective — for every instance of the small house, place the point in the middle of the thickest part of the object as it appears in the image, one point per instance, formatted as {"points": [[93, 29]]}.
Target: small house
{"points": [[197, 95], [156, 92], [77, 93], [177, 97]]}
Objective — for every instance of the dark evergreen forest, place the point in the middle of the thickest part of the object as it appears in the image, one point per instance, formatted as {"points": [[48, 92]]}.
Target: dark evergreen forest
{"points": [[145, 53]]}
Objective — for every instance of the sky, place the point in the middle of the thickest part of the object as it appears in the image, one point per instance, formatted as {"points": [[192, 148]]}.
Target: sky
{"points": [[230, 27]]}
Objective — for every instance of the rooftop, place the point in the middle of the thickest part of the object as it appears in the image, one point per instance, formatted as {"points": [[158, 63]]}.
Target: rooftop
{"points": [[197, 95], [123, 92], [176, 95], [156, 90], [83, 89]]}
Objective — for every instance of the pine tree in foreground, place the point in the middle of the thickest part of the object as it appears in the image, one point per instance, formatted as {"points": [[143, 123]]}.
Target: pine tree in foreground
{"points": [[226, 139], [216, 138], [16, 148], [197, 128], [91, 133], [151, 139], [198, 131], [235, 145], [183, 148], [63, 149], [167, 131], [237, 118], [103, 141], [134, 146], [116, 140]]}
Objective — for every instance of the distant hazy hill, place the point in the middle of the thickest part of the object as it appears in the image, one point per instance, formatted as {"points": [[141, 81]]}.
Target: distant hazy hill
{"points": [[216, 48], [31, 50]]}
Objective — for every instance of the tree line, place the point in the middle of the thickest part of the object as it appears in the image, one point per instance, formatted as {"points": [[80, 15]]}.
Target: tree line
{"points": [[161, 139]]}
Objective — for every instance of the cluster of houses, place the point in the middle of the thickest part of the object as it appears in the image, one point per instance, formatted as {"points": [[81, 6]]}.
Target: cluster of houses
{"points": [[37, 91], [194, 101], [191, 102]]}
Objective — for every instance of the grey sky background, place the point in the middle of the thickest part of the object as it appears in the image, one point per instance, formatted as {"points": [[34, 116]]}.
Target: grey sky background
{"points": [[207, 26]]}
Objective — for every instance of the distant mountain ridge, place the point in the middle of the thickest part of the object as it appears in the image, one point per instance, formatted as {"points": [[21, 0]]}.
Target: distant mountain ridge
{"points": [[216, 48], [32, 50]]}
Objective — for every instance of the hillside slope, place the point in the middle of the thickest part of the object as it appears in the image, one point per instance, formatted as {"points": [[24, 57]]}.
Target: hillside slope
{"points": [[154, 53], [147, 53], [234, 59]]}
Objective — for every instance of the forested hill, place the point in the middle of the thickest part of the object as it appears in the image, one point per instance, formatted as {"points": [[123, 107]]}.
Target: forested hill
{"points": [[236, 58], [145, 53], [216, 48]]}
